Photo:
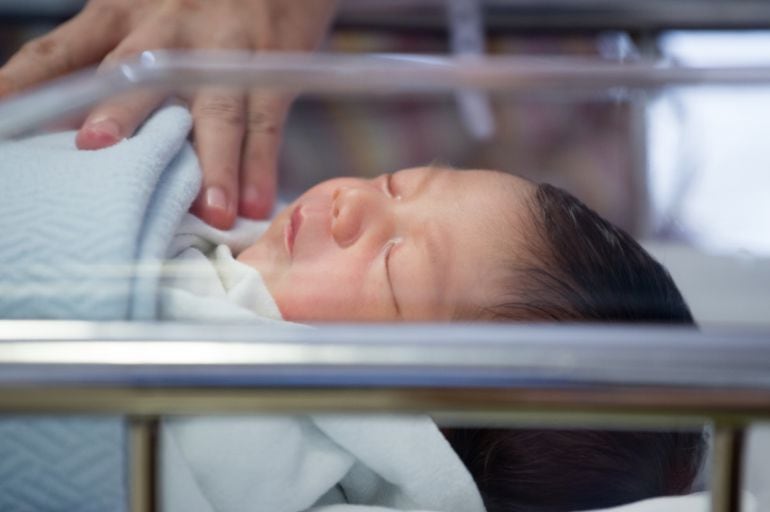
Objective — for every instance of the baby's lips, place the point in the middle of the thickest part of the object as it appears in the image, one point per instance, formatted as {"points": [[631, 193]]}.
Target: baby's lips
{"points": [[292, 228]]}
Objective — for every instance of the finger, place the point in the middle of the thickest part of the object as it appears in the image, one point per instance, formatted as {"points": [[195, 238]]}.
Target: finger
{"points": [[67, 123], [116, 119], [218, 120], [264, 127], [80, 42]]}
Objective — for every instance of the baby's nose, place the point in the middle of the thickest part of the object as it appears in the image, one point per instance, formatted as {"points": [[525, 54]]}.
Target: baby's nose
{"points": [[350, 207]]}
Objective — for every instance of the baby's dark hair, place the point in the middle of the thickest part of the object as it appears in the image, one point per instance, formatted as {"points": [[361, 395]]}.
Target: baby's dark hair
{"points": [[581, 268]]}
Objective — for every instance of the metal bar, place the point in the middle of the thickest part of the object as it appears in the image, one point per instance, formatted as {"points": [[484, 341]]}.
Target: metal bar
{"points": [[666, 407], [727, 468], [527, 357], [142, 463]]}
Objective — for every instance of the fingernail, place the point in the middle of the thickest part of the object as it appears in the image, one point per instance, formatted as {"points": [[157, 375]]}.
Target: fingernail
{"points": [[250, 195], [216, 198], [106, 128]]}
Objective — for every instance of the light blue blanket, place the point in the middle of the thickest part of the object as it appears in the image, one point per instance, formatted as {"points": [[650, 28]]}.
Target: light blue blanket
{"points": [[84, 232], [83, 237]]}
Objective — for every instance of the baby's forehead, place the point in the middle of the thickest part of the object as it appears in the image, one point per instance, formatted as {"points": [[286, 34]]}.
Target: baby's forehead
{"points": [[507, 193], [494, 234], [510, 183]]}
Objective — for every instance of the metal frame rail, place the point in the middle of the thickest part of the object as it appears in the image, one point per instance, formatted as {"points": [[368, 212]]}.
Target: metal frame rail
{"points": [[502, 375]]}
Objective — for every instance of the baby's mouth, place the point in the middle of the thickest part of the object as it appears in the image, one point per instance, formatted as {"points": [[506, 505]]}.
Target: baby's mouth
{"points": [[292, 228]]}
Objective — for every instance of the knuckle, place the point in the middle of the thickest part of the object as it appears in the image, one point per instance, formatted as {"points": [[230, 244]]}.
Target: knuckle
{"points": [[47, 52], [222, 108], [40, 47], [262, 122]]}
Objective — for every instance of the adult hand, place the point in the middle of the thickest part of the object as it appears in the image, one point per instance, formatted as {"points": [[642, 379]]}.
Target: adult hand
{"points": [[236, 135]]}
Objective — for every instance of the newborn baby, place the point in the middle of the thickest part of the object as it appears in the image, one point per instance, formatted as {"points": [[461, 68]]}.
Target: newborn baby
{"points": [[436, 244], [422, 244]]}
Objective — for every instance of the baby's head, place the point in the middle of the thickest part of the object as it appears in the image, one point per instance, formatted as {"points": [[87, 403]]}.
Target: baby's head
{"points": [[437, 244], [433, 244]]}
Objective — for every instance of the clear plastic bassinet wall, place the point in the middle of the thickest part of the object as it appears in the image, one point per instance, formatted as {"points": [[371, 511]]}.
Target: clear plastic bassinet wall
{"points": [[557, 215], [667, 149]]}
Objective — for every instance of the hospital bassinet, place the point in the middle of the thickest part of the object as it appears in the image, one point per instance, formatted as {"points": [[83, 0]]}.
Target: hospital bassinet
{"points": [[120, 378]]}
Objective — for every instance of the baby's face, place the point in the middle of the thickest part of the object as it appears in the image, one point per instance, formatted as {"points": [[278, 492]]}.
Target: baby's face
{"points": [[422, 244]]}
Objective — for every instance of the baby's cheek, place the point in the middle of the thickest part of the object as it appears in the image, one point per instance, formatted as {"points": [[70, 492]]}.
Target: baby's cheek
{"points": [[305, 304], [337, 290], [291, 309], [329, 305]]}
